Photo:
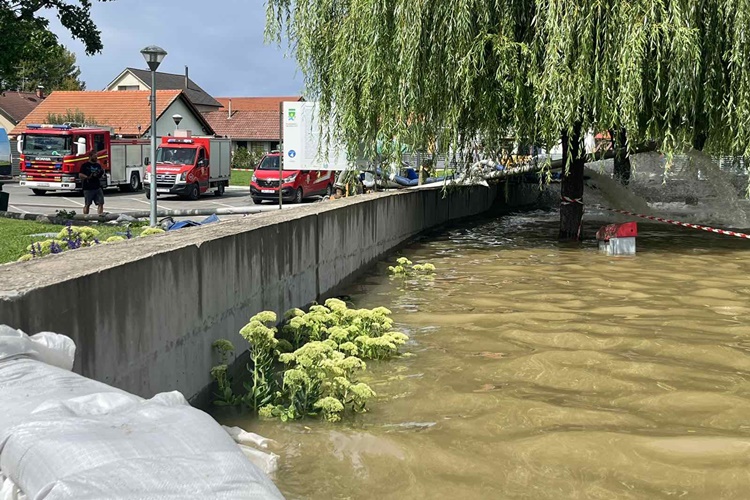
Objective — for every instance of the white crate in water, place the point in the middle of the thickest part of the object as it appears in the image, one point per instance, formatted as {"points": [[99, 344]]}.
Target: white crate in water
{"points": [[618, 246]]}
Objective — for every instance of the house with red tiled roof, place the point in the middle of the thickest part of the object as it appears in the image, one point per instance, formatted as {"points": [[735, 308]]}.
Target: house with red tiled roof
{"points": [[252, 123], [15, 106], [133, 79], [128, 113]]}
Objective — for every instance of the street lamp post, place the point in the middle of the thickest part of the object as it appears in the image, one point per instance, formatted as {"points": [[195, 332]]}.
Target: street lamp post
{"points": [[154, 56]]}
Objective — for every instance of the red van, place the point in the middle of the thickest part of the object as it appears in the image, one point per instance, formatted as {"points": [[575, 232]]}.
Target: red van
{"points": [[296, 186]]}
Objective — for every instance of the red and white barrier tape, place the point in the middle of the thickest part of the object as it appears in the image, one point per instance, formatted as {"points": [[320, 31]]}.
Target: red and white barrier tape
{"points": [[678, 223], [564, 200], [569, 201]]}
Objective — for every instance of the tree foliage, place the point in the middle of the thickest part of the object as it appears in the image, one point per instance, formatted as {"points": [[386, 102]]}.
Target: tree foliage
{"points": [[26, 35], [70, 116], [54, 68], [673, 71]]}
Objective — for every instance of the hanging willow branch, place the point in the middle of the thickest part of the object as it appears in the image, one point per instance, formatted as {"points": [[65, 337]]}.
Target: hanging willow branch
{"points": [[440, 73]]}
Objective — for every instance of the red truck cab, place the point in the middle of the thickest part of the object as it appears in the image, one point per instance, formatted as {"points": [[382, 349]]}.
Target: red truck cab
{"points": [[52, 155], [190, 166], [296, 184]]}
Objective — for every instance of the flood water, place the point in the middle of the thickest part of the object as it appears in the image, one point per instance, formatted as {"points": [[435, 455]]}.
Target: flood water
{"points": [[543, 371]]}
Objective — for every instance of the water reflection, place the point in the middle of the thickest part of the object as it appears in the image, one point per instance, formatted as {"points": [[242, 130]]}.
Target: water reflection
{"points": [[542, 371]]}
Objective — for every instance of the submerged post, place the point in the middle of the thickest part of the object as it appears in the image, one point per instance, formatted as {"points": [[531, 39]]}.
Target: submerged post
{"points": [[571, 189]]}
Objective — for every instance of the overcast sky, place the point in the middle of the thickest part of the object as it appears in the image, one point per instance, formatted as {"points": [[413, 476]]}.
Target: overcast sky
{"points": [[221, 41]]}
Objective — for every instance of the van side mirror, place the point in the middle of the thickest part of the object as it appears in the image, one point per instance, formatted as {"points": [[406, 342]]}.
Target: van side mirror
{"points": [[19, 144], [81, 146], [146, 161]]}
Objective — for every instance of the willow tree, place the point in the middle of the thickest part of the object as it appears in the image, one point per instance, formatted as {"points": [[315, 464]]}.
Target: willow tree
{"points": [[447, 72]]}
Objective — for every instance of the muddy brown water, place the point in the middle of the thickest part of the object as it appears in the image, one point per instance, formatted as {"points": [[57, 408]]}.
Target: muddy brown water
{"points": [[542, 371]]}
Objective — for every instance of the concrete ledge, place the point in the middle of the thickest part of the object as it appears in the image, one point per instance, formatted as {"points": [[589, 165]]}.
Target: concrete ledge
{"points": [[144, 313]]}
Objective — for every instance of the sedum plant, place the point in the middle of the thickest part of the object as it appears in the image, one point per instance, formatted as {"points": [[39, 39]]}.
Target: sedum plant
{"points": [[74, 237], [312, 370], [261, 336], [225, 396], [151, 231], [405, 267]]}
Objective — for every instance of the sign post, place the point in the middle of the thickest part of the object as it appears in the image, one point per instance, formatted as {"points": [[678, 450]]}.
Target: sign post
{"points": [[281, 152]]}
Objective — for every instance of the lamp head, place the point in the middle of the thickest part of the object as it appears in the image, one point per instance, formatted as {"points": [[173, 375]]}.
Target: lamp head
{"points": [[153, 55]]}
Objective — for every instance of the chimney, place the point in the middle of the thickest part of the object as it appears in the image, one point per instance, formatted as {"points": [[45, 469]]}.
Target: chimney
{"points": [[186, 77], [230, 110], [40, 92]]}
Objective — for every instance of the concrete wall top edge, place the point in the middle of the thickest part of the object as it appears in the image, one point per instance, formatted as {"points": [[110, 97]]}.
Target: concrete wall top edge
{"points": [[18, 278]]}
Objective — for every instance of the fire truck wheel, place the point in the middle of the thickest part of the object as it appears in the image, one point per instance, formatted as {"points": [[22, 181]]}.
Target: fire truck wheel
{"points": [[257, 201], [39, 192], [219, 190], [148, 194], [133, 185], [298, 197], [195, 192]]}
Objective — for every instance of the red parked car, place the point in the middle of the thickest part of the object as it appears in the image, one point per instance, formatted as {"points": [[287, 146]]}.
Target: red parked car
{"points": [[296, 186]]}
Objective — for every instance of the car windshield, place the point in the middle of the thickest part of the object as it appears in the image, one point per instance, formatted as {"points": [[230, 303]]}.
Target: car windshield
{"points": [[176, 156], [45, 144], [269, 163]]}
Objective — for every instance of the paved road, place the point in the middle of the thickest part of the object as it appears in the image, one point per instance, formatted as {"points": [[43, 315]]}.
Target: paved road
{"points": [[24, 201]]}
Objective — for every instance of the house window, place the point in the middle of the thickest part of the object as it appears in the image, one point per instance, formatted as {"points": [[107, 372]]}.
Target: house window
{"points": [[128, 87], [241, 144], [99, 143]]}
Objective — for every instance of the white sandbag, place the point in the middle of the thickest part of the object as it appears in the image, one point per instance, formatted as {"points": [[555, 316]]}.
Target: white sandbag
{"points": [[63, 436], [9, 490], [267, 462], [241, 436], [47, 347]]}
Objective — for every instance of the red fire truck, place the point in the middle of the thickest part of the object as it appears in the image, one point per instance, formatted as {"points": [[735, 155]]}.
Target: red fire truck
{"points": [[190, 166], [52, 156]]}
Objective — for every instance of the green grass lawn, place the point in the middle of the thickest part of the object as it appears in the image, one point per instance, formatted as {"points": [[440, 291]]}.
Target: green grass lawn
{"points": [[15, 236], [239, 178]]}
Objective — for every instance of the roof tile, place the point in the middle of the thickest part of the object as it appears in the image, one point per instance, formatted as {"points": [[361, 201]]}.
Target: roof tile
{"points": [[124, 111], [256, 103], [252, 125], [16, 105], [171, 81]]}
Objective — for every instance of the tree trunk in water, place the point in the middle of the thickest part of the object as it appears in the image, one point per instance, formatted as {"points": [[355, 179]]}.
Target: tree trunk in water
{"points": [[622, 160], [571, 190]]}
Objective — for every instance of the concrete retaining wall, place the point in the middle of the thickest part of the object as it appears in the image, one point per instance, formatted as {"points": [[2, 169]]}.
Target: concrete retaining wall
{"points": [[144, 313]]}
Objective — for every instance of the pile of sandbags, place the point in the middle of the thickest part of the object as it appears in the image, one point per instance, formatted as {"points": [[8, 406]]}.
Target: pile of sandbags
{"points": [[63, 436]]}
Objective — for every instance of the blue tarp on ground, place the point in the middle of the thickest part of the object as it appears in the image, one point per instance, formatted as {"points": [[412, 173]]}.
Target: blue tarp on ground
{"points": [[190, 223]]}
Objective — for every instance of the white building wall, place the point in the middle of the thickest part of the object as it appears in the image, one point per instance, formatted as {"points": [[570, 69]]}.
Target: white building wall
{"points": [[6, 124], [127, 79], [165, 124]]}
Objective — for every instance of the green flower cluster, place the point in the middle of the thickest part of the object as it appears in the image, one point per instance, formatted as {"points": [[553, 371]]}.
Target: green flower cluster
{"points": [[73, 237], [405, 267], [152, 230], [312, 369]]}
